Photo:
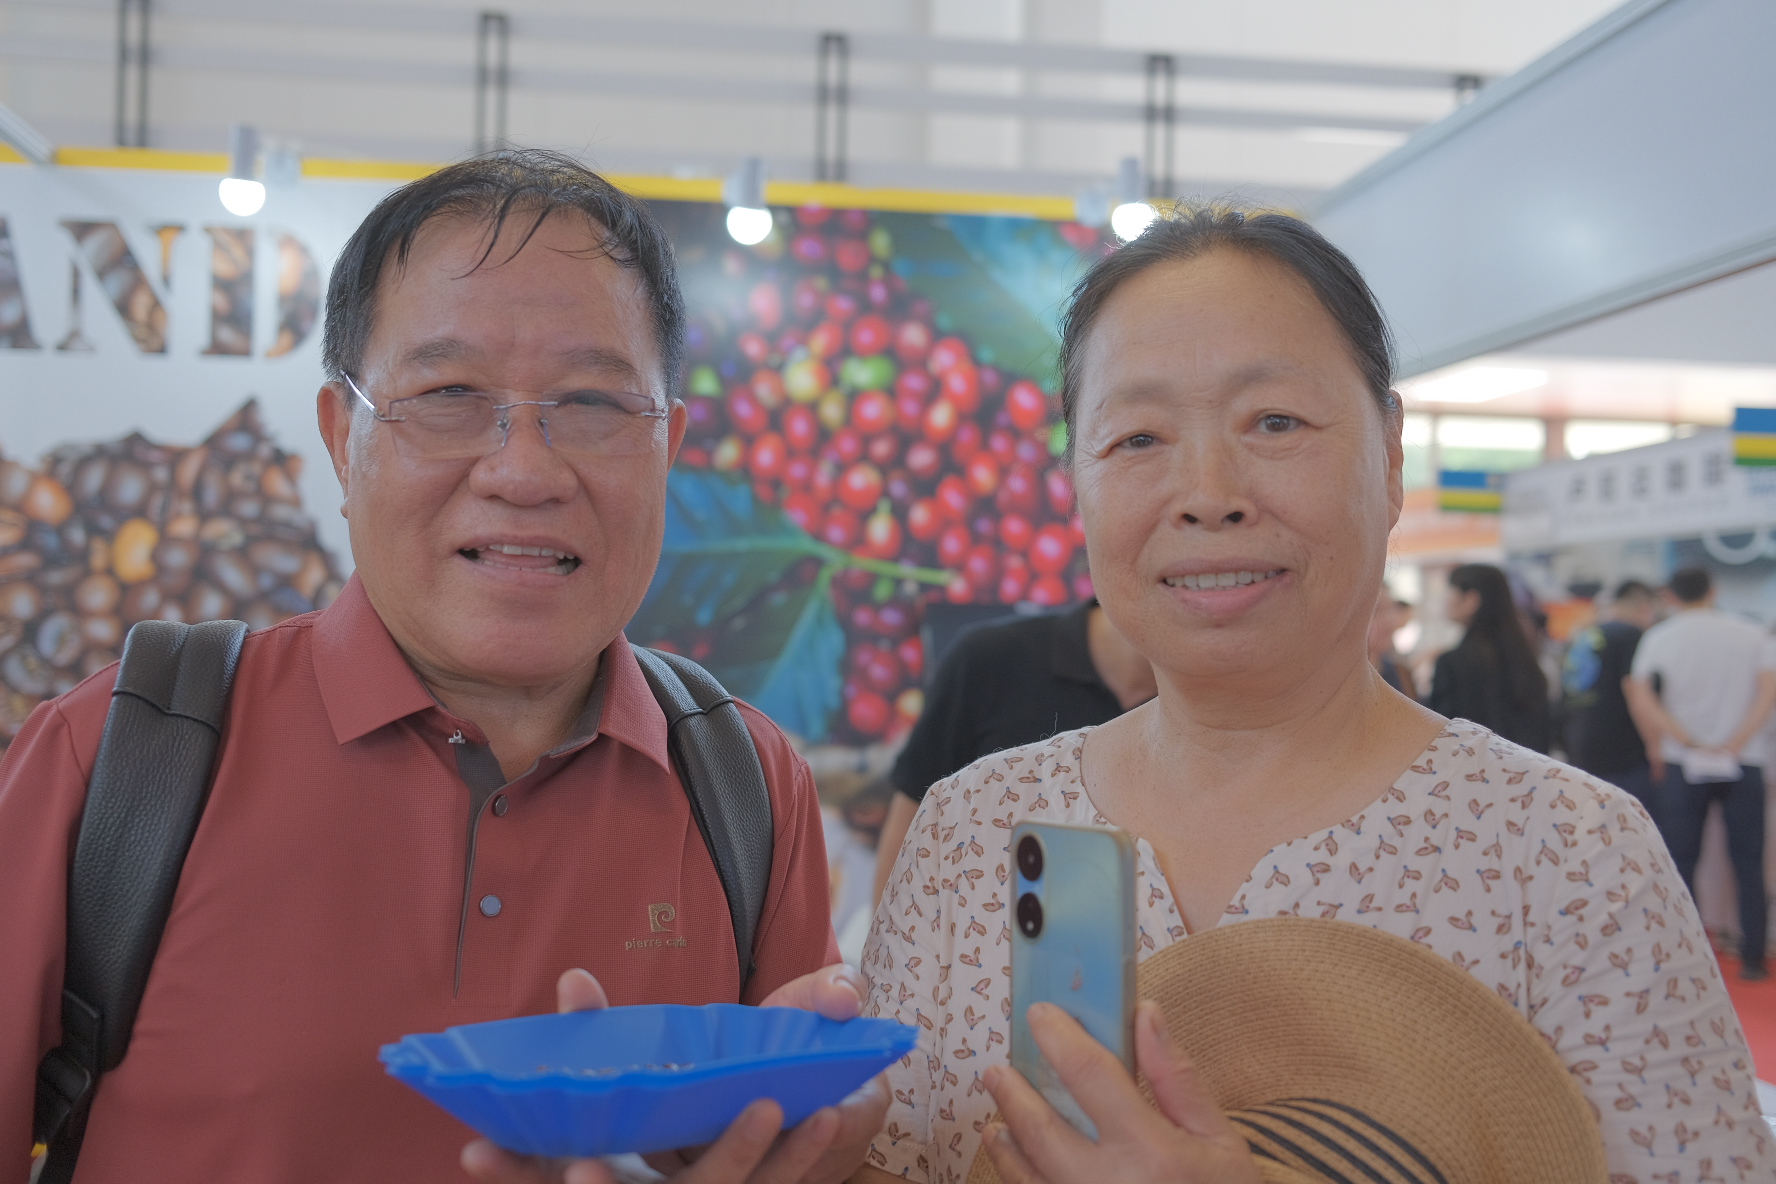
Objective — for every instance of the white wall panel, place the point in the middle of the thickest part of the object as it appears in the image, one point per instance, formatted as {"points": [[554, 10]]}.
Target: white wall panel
{"points": [[1637, 160]]}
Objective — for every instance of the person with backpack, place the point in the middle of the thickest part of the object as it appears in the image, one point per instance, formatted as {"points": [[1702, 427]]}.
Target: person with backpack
{"points": [[455, 794]]}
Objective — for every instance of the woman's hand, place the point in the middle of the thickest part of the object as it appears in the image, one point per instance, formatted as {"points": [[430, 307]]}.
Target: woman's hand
{"points": [[824, 1149], [1186, 1141]]}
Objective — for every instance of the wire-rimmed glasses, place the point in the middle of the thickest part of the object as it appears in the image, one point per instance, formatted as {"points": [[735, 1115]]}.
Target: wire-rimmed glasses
{"points": [[455, 423]]}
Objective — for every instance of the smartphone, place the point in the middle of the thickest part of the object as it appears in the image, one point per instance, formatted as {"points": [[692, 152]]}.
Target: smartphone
{"points": [[1073, 945]]}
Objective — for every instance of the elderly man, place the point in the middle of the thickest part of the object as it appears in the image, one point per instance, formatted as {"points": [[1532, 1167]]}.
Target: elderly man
{"points": [[453, 784]]}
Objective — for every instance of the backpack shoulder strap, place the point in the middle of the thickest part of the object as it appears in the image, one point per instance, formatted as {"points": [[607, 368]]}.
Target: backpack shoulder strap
{"points": [[149, 783], [725, 782]]}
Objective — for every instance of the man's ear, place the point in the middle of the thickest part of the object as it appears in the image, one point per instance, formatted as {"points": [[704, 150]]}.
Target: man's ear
{"points": [[335, 417], [678, 420]]}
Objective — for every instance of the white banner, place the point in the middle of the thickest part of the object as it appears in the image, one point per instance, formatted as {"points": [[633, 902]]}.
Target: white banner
{"points": [[1685, 488], [131, 301]]}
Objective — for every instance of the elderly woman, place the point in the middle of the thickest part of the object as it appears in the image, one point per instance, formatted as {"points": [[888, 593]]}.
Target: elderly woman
{"points": [[1238, 460]]}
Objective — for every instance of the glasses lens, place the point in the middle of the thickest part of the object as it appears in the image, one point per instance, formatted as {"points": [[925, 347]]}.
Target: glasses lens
{"points": [[448, 425], [602, 423], [442, 424]]}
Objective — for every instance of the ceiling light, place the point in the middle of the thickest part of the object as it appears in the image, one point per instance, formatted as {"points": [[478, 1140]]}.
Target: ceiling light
{"points": [[1481, 384], [241, 193], [1130, 218], [1132, 214], [749, 219]]}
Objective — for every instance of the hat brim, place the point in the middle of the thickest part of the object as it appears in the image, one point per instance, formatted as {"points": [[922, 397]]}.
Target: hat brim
{"points": [[1343, 1052]]}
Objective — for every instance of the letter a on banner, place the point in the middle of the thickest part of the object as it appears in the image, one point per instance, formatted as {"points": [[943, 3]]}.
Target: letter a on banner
{"points": [[15, 322], [124, 282]]}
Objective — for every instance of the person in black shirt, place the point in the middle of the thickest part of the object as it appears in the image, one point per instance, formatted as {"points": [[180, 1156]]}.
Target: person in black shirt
{"points": [[1009, 683], [1492, 678], [1600, 734]]}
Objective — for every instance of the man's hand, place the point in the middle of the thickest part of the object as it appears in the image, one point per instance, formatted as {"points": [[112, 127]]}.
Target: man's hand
{"points": [[1186, 1141], [824, 1149], [835, 991]]}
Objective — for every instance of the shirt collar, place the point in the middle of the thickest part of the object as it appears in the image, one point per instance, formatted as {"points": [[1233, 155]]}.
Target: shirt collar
{"points": [[366, 683], [365, 680], [1071, 658]]}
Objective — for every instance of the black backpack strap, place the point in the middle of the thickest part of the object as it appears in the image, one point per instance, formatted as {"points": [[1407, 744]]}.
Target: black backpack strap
{"points": [[149, 783], [722, 776]]}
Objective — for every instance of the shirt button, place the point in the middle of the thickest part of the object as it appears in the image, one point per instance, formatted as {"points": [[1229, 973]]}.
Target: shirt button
{"points": [[501, 805], [490, 905]]}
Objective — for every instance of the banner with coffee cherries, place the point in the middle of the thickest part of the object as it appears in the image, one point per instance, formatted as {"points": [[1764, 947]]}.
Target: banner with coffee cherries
{"points": [[871, 431]]}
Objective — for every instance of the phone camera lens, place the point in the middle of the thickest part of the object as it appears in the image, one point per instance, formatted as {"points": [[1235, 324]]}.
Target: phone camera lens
{"points": [[1029, 913], [1029, 858]]}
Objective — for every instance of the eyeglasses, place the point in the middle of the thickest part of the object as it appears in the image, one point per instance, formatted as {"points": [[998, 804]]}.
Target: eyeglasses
{"points": [[455, 424]]}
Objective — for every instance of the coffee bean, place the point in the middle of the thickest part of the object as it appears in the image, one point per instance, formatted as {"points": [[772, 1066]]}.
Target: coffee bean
{"points": [[142, 603], [47, 501], [206, 602], [221, 534], [232, 572], [126, 487], [15, 481], [20, 601], [59, 640], [105, 632], [279, 558], [97, 593], [132, 551], [19, 563], [25, 672]]}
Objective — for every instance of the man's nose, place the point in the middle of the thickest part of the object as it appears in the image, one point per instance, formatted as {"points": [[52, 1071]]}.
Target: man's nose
{"points": [[513, 418], [524, 469]]}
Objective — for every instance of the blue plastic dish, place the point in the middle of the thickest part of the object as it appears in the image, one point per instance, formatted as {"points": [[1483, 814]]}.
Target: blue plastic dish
{"points": [[639, 1079]]}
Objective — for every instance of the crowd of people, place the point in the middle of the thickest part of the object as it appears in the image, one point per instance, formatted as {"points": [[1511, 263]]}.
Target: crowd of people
{"points": [[453, 795]]}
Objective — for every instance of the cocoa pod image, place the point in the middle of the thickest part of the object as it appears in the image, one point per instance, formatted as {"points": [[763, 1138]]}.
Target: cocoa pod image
{"points": [[97, 537]]}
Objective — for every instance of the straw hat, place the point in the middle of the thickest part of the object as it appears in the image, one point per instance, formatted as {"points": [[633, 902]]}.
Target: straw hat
{"points": [[1344, 1053]]}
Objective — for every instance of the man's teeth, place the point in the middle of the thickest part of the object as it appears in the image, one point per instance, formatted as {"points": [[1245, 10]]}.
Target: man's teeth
{"points": [[1221, 579], [564, 562]]}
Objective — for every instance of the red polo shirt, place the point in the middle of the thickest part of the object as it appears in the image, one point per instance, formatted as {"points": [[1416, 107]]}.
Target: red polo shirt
{"points": [[356, 877]]}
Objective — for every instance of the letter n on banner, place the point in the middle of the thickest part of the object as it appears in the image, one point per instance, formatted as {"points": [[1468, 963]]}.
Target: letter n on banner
{"points": [[299, 296], [124, 282], [231, 290]]}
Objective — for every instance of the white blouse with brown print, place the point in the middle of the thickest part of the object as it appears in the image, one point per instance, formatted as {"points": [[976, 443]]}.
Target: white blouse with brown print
{"points": [[1544, 883]]}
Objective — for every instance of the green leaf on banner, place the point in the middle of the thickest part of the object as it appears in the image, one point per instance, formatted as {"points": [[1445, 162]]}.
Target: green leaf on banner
{"points": [[997, 323], [732, 573]]}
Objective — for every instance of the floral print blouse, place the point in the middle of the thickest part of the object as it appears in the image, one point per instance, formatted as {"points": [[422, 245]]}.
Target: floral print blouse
{"points": [[1544, 883]]}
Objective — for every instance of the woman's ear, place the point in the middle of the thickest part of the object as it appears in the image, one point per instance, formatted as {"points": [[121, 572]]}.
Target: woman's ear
{"points": [[1393, 420]]}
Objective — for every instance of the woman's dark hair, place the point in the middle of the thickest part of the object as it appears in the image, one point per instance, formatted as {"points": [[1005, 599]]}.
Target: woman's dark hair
{"points": [[530, 183], [1188, 232], [1496, 633]]}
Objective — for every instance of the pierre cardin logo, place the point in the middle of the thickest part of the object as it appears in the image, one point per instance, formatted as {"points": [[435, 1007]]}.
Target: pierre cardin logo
{"points": [[660, 919]]}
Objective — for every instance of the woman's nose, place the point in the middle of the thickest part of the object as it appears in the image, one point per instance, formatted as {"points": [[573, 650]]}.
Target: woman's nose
{"points": [[1211, 492]]}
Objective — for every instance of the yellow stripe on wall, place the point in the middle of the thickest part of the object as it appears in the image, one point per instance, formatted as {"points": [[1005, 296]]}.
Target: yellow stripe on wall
{"points": [[143, 158], [705, 189]]}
